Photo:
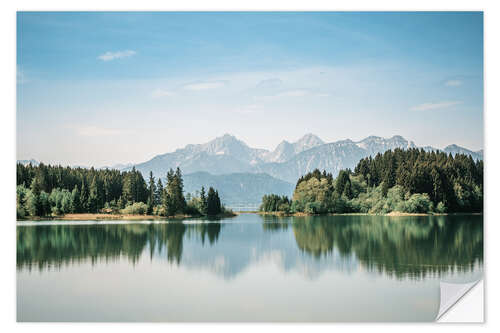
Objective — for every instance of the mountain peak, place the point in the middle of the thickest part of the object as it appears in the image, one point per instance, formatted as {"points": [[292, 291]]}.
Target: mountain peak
{"points": [[375, 144], [286, 150], [224, 138], [228, 136], [306, 142], [310, 138], [372, 138]]}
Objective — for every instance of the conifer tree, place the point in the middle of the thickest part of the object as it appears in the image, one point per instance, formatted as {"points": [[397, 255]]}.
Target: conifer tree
{"points": [[218, 205], [203, 201], [33, 201], [75, 200], [159, 193], [179, 192], [152, 193], [93, 197], [84, 196], [213, 202]]}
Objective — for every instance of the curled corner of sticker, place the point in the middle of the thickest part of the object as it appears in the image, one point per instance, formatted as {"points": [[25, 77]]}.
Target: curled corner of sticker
{"points": [[451, 293]]}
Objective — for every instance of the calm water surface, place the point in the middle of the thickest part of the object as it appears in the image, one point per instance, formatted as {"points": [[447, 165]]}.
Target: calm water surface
{"points": [[248, 268]]}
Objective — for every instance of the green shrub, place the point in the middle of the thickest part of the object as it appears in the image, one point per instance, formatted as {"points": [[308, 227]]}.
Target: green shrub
{"points": [[284, 207], [297, 206], [440, 208], [139, 208], [191, 208], [418, 203], [159, 210]]}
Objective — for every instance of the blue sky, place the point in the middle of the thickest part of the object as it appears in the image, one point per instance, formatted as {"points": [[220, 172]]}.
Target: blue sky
{"points": [[106, 88]]}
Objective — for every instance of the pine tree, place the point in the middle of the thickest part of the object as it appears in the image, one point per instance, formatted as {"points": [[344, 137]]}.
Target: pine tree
{"points": [[176, 202], [203, 201], [84, 196], [169, 204], [75, 200], [213, 202], [93, 197], [129, 187], [152, 193], [33, 202], [159, 193], [179, 192], [150, 207], [218, 205]]}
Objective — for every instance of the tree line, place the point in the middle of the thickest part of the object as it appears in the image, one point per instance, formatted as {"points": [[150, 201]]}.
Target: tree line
{"points": [[413, 181], [46, 190]]}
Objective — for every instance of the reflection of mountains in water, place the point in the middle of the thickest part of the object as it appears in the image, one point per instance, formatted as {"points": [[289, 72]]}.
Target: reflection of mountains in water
{"points": [[240, 246], [401, 247]]}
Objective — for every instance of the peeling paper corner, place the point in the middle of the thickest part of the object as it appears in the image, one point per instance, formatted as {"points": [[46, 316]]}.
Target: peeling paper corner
{"points": [[451, 293]]}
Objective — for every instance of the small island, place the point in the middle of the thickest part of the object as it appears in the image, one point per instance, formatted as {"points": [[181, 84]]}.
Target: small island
{"points": [[66, 193], [399, 182]]}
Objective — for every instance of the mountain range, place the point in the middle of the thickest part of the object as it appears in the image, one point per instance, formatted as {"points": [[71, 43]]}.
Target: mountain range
{"points": [[288, 161], [243, 174]]}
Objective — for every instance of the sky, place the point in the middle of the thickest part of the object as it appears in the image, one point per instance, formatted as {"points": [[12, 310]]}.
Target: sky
{"points": [[101, 88]]}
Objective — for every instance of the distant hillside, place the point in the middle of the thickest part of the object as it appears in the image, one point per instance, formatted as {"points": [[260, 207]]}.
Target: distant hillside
{"points": [[238, 188]]}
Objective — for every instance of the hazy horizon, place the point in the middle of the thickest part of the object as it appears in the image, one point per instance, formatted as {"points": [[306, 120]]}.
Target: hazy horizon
{"points": [[230, 134], [101, 88]]}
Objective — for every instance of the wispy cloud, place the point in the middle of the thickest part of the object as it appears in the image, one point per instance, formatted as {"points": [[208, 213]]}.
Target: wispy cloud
{"points": [[453, 83], [204, 85], [248, 109], [435, 105], [270, 84], [93, 131], [293, 93], [162, 93], [116, 55]]}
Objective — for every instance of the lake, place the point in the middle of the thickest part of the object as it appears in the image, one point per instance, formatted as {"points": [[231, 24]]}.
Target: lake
{"points": [[247, 268]]}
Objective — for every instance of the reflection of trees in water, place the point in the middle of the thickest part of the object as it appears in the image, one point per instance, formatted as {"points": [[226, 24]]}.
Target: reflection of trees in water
{"points": [[55, 245], [405, 246], [274, 223]]}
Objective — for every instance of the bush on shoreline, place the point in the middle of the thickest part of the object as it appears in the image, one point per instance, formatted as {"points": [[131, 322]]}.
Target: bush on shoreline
{"points": [[137, 208]]}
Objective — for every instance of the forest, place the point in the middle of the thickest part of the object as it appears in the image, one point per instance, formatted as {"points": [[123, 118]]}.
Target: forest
{"points": [[44, 191], [406, 181]]}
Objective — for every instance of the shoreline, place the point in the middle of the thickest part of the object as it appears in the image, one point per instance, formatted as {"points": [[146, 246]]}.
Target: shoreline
{"points": [[133, 217], [137, 217], [391, 214]]}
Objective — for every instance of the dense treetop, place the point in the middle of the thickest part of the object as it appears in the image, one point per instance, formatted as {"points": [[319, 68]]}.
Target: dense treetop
{"points": [[46, 190], [412, 180]]}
